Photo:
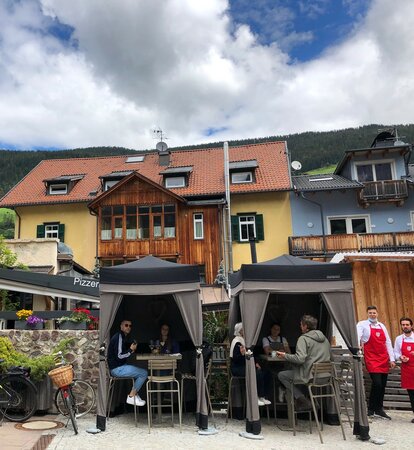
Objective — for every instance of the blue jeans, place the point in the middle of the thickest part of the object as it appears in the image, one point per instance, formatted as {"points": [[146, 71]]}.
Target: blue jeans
{"points": [[127, 370]]}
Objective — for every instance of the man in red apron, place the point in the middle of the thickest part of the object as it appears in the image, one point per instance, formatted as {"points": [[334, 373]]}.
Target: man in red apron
{"points": [[378, 356], [404, 351]]}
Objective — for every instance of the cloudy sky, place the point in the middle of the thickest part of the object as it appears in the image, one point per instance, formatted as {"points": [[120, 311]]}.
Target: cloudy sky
{"points": [[79, 73]]}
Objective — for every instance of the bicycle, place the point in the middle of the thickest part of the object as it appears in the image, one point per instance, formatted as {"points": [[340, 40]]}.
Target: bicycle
{"points": [[62, 377], [17, 395]]}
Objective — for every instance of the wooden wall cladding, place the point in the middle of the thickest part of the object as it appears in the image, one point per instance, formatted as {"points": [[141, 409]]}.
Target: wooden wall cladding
{"points": [[389, 286]]}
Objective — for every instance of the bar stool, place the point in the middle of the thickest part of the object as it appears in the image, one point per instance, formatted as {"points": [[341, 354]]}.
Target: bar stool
{"points": [[323, 381], [155, 381], [112, 379]]}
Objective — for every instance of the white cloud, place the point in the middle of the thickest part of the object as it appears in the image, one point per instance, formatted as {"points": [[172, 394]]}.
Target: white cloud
{"points": [[181, 64]]}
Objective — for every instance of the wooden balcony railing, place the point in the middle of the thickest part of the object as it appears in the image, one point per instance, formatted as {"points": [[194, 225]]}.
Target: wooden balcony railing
{"points": [[382, 191], [337, 243]]}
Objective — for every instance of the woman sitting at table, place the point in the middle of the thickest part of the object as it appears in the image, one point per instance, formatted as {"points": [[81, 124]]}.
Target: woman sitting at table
{"points": [[275, 342], [238, 363], [167, 343]]}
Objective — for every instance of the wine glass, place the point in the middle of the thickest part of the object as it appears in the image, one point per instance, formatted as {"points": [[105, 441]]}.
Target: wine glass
{"points": [[151, 345], [162, 343]]}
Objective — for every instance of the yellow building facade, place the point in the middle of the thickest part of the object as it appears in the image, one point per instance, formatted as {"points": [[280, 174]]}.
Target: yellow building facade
{"points": [[79, 227], [277, 225]]}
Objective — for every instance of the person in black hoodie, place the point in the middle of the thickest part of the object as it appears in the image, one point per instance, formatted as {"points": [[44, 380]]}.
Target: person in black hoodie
{"points": [[119, 350], [312, 347]]}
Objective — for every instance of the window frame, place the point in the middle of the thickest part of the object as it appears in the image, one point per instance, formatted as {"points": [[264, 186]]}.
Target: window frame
{"points": [[60, 191], [180, 177], [258, 227], [245, 172], [198, 221], [372, 163], [348, 222]]}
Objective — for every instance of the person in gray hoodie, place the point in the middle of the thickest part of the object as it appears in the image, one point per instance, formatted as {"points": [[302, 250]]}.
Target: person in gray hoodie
{"points": [[312, 347]]}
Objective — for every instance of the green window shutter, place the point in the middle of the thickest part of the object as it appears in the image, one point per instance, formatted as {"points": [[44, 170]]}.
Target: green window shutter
{"points": [[259, 227], [40, 232], [235, 234], [62, 232]]}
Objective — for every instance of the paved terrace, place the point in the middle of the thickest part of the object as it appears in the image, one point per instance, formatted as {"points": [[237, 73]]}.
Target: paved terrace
{"points": [[122, 434]]}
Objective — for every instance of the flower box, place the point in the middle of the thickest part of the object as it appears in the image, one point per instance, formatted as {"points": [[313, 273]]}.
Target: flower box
{"points": [[23, 325], [68, 325]]}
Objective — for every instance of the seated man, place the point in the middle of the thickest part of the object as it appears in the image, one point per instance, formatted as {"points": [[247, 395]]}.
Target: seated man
{"points": [[119, 351], [312, 347]]}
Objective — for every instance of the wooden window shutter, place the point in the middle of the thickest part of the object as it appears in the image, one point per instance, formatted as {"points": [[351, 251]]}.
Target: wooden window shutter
{"points": [[40, 231], [259, 227], [235, 233], [61, 232]]}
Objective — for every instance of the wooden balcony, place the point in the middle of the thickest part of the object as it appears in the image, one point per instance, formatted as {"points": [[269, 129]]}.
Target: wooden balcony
{"points": [[384, 191], [337, 243]]}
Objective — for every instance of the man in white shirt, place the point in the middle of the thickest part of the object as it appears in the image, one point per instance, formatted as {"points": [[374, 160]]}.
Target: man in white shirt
{"points": [[404, 351], [378, 356]]}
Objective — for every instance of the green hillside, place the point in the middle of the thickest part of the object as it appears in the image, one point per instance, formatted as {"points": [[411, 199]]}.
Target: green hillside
{"points": [[313, 149]]}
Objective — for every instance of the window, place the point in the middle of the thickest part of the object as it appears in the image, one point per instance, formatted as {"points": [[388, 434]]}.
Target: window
{"points": [[174, 182], [140, 222], [109, 184], [374, 171], [202, 273], [348, 225], [134, 159], [198, 222], [54, 230], [58, 189], [245, 225], [241, 177]]}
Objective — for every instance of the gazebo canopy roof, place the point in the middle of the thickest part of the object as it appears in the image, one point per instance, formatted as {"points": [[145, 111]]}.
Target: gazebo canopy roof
{"points": [[291, 268], [150, 270]]}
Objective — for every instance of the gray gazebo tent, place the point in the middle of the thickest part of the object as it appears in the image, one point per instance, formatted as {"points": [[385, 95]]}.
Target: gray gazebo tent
{"points": [[145, 286], [304, 285]]}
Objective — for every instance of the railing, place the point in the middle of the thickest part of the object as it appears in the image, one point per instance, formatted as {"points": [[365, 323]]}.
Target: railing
{"points": [[337, 243], [384, 190]]}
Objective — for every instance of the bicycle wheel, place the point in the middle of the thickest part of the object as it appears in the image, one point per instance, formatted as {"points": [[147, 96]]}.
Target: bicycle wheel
{"points": [[85, 397], [70, 405], [17, 398]]}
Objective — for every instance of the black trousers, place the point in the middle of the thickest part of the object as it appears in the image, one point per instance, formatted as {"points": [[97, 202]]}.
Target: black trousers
{"points": [[376, 397], [411, 395]]}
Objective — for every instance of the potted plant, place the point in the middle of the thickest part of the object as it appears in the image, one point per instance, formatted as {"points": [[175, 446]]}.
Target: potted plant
{"points": [[80, 319], [39, 367], [28, 321]]}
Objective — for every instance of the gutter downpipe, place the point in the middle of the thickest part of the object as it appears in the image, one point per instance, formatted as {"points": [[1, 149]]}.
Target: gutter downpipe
{"points": [[322, 221], [19, 225], [228, 251]]}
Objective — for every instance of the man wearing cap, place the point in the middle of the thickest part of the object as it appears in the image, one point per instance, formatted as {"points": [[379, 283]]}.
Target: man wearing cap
{"points": [[404, 351], [378, 356]]}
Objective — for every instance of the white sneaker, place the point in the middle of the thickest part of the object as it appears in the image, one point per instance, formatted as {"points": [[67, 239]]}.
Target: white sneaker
{"points": [[264, 401], [137, 400], [260, 402]]}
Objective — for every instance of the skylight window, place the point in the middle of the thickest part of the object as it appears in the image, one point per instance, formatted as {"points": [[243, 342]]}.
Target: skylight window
{"points": [[134, 159]]}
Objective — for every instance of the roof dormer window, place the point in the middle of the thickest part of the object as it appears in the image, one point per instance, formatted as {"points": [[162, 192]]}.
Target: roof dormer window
{"points": [[111, 179], [176, 177], [242, 171], [58, 189], [61, 185]]}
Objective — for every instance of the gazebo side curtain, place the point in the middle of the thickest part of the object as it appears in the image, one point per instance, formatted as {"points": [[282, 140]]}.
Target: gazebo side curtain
{"points": [[106, 320], [193, 319], [252, 308], [341, 308]]}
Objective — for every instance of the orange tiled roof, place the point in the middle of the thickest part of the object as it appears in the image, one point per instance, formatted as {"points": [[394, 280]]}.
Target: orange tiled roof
{"points": [[206, 178]]}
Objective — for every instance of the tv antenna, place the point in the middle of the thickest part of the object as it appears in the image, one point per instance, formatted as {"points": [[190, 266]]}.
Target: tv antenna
{"points": [[161, 146], [296, 165]]}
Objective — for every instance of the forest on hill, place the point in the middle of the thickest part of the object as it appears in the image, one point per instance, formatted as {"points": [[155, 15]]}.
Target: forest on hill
{"points": [[312, 149]]}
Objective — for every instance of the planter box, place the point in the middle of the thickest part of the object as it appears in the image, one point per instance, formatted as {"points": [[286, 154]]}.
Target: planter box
{"points": [[73, 325], [22, 325], [44, 394]]}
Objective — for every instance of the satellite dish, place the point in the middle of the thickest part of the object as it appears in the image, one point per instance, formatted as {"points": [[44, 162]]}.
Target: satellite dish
{"points": [[296, 165], [161, 146]]}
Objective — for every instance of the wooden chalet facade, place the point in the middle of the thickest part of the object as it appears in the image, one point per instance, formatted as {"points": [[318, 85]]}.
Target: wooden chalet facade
{"points": [[138, 217]]}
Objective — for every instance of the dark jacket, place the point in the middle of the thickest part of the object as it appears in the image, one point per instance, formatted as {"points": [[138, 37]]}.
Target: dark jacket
{"points": [[118, 350], [311, 347]]}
